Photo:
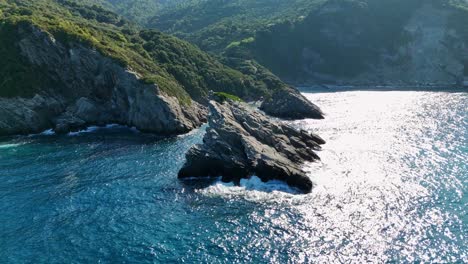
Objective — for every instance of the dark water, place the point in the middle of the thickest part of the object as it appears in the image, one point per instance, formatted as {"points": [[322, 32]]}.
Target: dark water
{"points": [[391, 187]]}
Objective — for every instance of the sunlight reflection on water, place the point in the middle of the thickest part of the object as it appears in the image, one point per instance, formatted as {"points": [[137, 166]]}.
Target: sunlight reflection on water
{"points": [[389, 158], [391, 187]]}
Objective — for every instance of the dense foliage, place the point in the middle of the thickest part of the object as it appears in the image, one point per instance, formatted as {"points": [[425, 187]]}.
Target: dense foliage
{"points": [[179, 68], [215, 24], [459, 21], [222, 97], [211, 24], [339, 38], [17, 77]]}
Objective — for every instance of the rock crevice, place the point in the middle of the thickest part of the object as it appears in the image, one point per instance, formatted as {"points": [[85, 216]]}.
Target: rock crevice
{"points": [[241, 142], [94, 90]]}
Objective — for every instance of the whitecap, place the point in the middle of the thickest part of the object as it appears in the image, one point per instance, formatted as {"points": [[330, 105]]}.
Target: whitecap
{"points": [[7, 146], [87, 130], [48, 132], [110, 127], [252, 189]]}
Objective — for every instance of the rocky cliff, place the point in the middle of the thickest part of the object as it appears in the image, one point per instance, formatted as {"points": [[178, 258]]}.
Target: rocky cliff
{"points": [[90, 89], [434, 53], [366, 43], [241, 142]]}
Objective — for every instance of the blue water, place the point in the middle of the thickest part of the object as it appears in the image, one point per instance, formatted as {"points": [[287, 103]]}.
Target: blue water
{"points": [[391, 187]]}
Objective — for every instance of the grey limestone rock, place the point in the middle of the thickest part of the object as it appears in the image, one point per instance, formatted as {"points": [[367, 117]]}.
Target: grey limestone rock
{"points": [[241, 142], [94, 90]]}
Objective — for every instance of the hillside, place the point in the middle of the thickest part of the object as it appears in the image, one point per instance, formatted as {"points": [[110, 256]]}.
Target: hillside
{"points": [[210, 24], [66, 66], [357, 42], [366, 43], [177, 67]]}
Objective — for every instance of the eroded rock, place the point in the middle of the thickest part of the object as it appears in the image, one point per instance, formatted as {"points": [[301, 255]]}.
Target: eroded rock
{"points": [[94, 90], [241, 142], [291, 104]]}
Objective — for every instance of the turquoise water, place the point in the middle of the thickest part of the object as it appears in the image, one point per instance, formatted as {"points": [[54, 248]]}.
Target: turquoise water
{"points": [[391, 187]]}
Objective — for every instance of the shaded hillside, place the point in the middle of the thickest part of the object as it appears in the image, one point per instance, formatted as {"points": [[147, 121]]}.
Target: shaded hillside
{"points": [[359, 42], [364, 43], [180, 69], [66, 66]]}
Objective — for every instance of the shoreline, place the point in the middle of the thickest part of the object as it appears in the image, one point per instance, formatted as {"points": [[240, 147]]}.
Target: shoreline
{"points": [[378, 88]]}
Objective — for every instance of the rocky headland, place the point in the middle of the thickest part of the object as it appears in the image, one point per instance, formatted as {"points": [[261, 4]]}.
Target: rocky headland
{"points": [[87, 88], [91, 89], [241, 142]]}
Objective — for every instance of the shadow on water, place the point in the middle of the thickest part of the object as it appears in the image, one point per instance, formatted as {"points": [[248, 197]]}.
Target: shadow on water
{"points": [[98, 136]]}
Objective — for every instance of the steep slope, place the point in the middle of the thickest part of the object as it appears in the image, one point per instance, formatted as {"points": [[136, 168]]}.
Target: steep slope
{"points": [[215, 24], [366, 43], [77, 86], [342, 42], [211, 24], [66, 66]]}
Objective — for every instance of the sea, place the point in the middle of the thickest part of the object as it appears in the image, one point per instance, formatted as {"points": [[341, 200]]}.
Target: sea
{"points": [[391, 187]]}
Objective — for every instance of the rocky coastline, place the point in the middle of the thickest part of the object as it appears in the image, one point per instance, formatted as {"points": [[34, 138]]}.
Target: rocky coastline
{"points": [[241, 142], [92, 89]]}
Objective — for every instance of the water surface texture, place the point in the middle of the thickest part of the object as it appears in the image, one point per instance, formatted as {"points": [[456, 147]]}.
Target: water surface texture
{"points": [[391, 186]]}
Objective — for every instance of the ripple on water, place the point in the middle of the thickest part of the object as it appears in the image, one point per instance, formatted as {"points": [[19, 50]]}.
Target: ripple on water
{"points": [[391, 187]]}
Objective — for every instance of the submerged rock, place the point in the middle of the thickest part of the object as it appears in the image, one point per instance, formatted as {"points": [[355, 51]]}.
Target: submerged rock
{"points": [[241, 142], [291, 104]]}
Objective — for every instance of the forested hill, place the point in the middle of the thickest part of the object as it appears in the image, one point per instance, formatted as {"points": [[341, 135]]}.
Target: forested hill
{"points": [[362, 42], [177, 67], [211, 24]]}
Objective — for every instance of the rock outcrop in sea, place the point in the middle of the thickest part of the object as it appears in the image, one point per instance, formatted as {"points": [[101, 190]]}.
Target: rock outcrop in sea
{"points": [[94, 90], [291, 104], [241, 142]]}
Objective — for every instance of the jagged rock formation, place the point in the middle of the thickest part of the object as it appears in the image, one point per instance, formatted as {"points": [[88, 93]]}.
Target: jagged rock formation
{"points": [[241, 142], [93, 90], [292, 105]]}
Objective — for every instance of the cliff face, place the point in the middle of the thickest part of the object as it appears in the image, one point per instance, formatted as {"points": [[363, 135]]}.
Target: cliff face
{"points": [[89, 89], [434, 54], [402, 43]]}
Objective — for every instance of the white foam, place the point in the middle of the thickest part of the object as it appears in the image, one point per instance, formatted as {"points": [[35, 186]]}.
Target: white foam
{"points": [[87, 130], [7, 146], [93, 129], [252, 189], [48, 132]]}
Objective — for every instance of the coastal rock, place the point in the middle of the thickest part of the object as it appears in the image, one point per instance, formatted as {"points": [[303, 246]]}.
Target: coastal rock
{"points": [[92, 90], [432, 52], [241, 142], [290, 104]]}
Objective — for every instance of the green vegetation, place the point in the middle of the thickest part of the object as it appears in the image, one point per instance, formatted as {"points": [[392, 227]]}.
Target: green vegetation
{"points": [[249, 41], [459, 22], [17, 77], [215, 24], [221, 97], [177, 67], [339, 38], [211, 24]]}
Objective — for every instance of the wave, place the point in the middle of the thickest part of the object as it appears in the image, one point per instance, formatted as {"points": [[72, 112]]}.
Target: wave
{"points": [[93, 129], [252, 189], [7, 146]]}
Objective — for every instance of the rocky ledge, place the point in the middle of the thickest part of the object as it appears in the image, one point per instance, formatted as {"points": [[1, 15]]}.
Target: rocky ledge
{"points": [[241, 142], [291, 104], [91, 90]]}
